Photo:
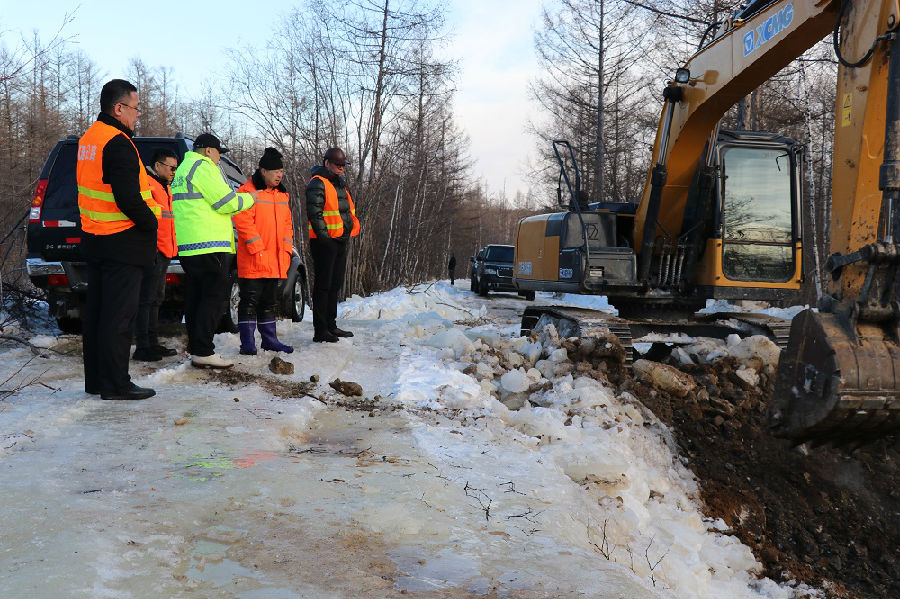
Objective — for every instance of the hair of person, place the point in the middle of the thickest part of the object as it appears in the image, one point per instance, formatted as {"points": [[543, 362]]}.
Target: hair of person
{"points": [[113, 92], [162, 153]]}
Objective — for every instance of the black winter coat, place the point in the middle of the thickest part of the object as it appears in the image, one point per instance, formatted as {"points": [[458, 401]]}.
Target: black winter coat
{"points": [[315, 203]]}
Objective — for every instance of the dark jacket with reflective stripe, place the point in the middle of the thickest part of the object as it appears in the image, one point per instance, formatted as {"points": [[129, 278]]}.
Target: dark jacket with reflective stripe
{"points": [[315, 203], [202, 203], [136, 245]]}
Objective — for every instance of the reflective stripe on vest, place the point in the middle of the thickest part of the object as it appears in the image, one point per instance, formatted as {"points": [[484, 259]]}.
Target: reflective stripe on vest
{"points": [[332, 213], [100, 214]]}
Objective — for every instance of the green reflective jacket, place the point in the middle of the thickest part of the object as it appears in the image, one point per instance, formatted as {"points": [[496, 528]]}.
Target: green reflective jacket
{"points": [[203, 203]]}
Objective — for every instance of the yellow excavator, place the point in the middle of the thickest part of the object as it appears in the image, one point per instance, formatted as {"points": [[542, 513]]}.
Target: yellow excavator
{"points": [[721, 215]]}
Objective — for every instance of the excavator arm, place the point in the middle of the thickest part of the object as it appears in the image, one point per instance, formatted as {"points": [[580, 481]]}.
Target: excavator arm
{"points": [[839, 378]]}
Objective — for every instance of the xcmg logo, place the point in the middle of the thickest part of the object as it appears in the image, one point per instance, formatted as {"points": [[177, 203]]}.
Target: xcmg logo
{"points": [[772, 27]]}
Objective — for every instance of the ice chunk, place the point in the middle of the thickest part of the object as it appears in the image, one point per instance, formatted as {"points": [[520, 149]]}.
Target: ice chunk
{"points": [[515, 381], [453, 339], [559, 355]]}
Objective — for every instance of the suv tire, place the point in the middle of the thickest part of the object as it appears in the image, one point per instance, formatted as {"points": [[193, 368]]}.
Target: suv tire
{"points": [[482, 288], [69, 326], [528, 296], [298, 299]]}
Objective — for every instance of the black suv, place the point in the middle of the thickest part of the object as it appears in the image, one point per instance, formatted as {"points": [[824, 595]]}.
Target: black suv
{"points": [[491, 270], [54, 261]]}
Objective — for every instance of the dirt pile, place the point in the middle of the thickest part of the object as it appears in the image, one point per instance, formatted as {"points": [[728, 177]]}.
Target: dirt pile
{"points": [[823, 516]]}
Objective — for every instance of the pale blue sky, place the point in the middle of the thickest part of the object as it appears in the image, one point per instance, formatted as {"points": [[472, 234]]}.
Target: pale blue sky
{"points": [[492, 40]]}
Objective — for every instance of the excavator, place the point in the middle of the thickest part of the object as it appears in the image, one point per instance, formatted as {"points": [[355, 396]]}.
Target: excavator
{"points": [[721, 216]]}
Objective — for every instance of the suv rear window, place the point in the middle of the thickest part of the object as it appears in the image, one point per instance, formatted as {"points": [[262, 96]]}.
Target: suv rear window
{"points": [[61, 198], [500, 254]]}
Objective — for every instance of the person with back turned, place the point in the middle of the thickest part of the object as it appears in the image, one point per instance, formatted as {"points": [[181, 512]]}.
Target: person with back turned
{"points": [[203, 203], [119, 220], [451, 268], [332, 222]]}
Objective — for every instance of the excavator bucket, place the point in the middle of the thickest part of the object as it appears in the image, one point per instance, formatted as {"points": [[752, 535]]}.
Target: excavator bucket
{"points": [[836, 383]]}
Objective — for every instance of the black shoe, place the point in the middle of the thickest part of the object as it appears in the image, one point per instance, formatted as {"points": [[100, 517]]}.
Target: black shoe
{"points": [[164, 351], [146, 354], [340, 332], [133, 393], [326, 337]]}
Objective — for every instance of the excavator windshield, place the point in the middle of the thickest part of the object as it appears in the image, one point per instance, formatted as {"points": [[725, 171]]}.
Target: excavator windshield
{"points": [[757, 214]]}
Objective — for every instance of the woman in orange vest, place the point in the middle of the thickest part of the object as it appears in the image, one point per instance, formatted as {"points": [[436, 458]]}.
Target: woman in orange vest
{"points": [[264, 250], [332, 222]]}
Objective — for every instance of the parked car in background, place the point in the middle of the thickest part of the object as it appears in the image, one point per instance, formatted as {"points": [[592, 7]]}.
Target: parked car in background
{"points": [[492, 269], [53, 237]]}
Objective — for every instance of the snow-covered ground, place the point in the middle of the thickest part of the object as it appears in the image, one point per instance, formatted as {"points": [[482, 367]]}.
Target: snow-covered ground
{"points": [[430, 487]]}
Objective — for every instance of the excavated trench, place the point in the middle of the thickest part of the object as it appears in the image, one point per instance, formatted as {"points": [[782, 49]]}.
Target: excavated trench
{"points": [[819, 515]]}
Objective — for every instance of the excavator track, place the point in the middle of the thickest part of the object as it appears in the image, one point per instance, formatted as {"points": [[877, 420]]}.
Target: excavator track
{"points": [[582, 322]]}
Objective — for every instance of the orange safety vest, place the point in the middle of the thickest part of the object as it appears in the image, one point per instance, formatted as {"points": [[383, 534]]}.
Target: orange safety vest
{"points": [[99, 213], [165, 234], [332, 213]]}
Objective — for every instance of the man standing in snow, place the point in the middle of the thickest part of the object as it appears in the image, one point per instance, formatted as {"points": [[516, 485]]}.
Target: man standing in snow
{"points": [[119, 220], [451, 268], [153, 284], [332, 222], [203, 203]]}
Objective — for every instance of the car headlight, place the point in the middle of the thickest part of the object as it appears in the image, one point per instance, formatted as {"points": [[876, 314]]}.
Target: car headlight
{"points": [[490, 271]]}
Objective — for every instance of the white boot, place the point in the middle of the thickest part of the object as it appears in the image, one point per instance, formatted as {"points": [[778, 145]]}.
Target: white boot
{"points": [[213, 361]]}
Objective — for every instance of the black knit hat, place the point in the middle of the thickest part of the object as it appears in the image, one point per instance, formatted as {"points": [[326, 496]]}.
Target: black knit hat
{"points": [[271, 160]]}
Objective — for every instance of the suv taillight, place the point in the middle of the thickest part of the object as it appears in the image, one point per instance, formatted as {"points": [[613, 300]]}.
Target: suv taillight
{"points": [[58, 281], [37, 201], [172, 278]]}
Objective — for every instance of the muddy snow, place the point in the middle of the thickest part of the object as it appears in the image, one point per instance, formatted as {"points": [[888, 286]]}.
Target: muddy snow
{"points": [[476, 463]]}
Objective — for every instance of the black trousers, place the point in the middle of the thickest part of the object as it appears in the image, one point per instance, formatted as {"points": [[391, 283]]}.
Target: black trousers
{"points": [[112, 301], [153, 291], [452, 277], [206, 277], [330, 266], [257, 299]]}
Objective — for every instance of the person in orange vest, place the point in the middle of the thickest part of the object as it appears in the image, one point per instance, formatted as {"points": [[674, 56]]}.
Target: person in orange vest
{"points": [[153, 283], [119, 221], [332, 222], [264, 250]]}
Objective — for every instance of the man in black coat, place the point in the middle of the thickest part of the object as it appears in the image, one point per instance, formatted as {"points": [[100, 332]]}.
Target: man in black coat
{"points": [[332, 222], [451, 268], [116, 258]]}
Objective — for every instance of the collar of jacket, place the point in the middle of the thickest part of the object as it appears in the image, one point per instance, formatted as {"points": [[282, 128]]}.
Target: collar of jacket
{"points": [[152, 172], [113, 122], [323, 171], [193, 156]]}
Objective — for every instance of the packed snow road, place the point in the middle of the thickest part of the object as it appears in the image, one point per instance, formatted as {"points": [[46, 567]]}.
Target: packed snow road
{"points": [[258, 486]]}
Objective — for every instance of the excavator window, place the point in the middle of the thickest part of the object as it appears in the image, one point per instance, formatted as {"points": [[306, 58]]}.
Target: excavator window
{"points": [[757, 215]]}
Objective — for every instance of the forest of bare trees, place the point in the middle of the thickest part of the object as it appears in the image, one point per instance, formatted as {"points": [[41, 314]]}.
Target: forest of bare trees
{"points": [[368, 75]]}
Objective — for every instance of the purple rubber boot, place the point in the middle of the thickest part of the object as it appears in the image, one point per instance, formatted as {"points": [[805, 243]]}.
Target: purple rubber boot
{"points": [[270, 337]]}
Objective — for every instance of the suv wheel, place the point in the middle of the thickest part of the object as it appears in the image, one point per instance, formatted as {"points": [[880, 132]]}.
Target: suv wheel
{"points": [[528, 296], [482, 288], [473, 286], [69, 326], [234, 297], [298, 299]]}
